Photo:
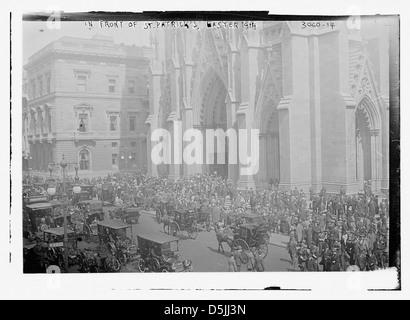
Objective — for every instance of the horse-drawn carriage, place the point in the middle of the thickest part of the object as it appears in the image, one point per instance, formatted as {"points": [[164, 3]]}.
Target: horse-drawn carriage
{"points": [[203, 217], [244, 236], [183, 219]]}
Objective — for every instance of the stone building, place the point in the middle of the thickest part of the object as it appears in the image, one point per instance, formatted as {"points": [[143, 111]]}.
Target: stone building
{"points": [[318, 95], [86, 99]]}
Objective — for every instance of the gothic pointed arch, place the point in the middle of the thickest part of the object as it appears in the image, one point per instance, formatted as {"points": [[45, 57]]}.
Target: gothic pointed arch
{"points": [[211, 65]]}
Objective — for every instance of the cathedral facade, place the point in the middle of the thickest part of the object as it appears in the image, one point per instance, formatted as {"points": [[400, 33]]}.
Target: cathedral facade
{"points": [[318, 96]]}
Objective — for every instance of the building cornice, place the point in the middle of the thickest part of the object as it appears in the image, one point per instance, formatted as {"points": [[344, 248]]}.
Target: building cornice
{"points": [[51, 54]]}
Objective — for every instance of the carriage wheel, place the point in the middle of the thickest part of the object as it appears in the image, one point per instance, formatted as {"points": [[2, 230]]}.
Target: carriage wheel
{"points": [[174, 229], [193, 231], [113, 264], [240, 242], [264, 248], [141, 265], [122, 258]]}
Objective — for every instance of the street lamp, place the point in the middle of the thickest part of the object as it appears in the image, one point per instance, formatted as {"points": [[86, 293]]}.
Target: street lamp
{"points": [[28, 158], [51, 191], [125, 157]]}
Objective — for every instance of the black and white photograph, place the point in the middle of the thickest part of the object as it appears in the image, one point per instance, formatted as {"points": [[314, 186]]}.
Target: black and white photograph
{"points": [[201, 144]]}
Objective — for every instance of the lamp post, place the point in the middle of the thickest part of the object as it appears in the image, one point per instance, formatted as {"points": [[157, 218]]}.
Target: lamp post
{"points": [[51, 191], [125, 156], [28, 157]]}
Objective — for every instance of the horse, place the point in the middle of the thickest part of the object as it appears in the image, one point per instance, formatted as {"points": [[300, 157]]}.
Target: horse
{"points": [[222, 236], [167, 221]]}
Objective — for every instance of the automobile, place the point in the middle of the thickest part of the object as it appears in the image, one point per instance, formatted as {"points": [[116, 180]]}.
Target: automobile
{"points": [[54, 238], [93, 210], [38, 216], [160, 253], [117, 236], [131, 215]]}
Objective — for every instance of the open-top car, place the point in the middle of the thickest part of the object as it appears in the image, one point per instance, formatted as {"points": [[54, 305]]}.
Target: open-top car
{"points": [[160, 253]]}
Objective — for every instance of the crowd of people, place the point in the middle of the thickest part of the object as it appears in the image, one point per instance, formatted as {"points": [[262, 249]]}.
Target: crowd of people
{"points": [[328, 232]]}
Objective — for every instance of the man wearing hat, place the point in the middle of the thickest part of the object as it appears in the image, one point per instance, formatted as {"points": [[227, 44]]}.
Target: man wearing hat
{"points": [[299, 232], [238, 257], [259, 265], [335, 259]]}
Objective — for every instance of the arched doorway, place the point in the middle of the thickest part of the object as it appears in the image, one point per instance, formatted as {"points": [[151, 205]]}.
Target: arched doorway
{"points": [[269, 144], [84, 159], [213, 116], [368, 145]]}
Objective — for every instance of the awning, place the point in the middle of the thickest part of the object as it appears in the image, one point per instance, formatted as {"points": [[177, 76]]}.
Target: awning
{"points": [[160, 238], [55, 203], [58, 231], [114, 224], [39, 206]]}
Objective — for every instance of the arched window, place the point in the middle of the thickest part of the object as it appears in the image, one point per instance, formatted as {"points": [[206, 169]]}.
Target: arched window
{"points": [[84, 159]]}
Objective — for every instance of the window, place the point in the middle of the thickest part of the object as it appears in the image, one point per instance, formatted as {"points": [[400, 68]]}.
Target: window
{"points": [[114, 159], [131, 86], [133, 144], [33, 90], [40, 86], [132, 123], [81, 83], [82, 122], [113, 123], [133, 157], [48, 83], [111, 85], [84, 159], [114, 145]]}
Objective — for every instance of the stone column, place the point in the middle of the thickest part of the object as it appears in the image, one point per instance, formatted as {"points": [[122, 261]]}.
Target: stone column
{"points": [[263, 178], [359, 154], [250, 47], [152, 120], [374, 137]]}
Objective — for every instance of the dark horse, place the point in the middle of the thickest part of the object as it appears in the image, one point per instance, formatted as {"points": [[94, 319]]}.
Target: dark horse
{"points": [[222, 237]]}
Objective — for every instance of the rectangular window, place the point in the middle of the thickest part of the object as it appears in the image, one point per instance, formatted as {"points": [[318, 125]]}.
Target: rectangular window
{"points": [[111, 85], [33, 90], [114, 145], [132, 123], [131, 86], [113, 123], [81, 83], [114, 159], [82, 122], [133, 144], [40, 87], [48, 84]]}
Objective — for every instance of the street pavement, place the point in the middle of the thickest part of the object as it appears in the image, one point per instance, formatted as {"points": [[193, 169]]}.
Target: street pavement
{"points": [[203, 251]]}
